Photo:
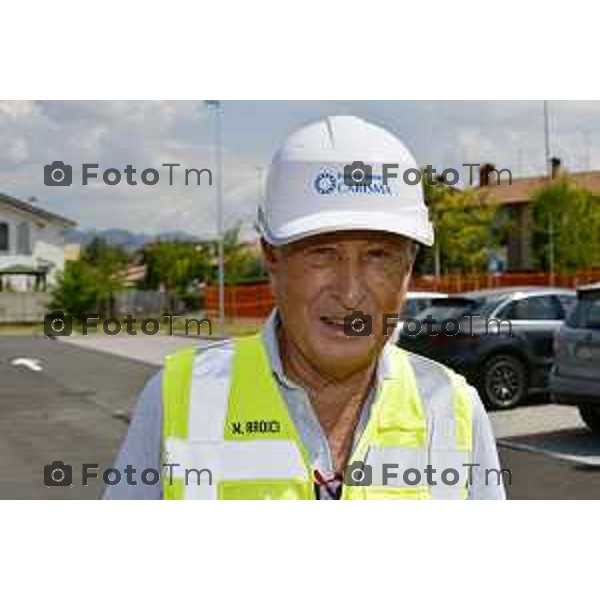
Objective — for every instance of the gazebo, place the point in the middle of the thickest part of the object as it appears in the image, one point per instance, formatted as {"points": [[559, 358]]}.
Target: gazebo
{"points": [[38, 273]]}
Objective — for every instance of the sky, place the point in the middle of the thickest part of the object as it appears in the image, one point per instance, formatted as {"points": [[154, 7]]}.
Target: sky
{"points": [[145, 134]]}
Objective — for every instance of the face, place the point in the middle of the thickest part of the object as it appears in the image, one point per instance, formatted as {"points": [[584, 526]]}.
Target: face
{"points": [[320, 280]]}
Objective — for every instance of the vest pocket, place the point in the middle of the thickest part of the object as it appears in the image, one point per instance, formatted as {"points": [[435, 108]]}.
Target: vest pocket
{"points": [[265, 489]]}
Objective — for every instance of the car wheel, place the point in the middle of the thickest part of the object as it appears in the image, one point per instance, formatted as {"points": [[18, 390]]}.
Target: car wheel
{"points": [[504, 381], [591, 416]]}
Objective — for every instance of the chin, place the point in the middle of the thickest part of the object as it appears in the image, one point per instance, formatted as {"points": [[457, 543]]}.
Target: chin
{"points": [[341, 358]]}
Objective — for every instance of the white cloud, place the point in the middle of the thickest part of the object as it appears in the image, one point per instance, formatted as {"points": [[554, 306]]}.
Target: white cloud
{"points": [[147, 134]]}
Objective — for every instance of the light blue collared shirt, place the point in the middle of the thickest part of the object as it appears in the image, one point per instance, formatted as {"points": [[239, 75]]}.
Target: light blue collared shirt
{"points": [[141, 447]]}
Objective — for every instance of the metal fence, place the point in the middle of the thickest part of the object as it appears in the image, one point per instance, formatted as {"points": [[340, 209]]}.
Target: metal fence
{"points": [[256, 300], [145, 302], [30, 307], [465, 283]]}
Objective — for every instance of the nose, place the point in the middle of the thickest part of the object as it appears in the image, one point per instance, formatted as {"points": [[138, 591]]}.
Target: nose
{"points": [[349, 283]]}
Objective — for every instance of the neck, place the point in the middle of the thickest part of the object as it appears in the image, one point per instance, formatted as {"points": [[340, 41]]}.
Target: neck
{"points": [[325, 390], [336, 400]]}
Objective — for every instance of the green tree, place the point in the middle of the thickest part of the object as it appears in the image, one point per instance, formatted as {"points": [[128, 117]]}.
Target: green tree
{"points": [[241, 264], [100, 252], [467, 225], [572, 213], [464, 228], [77, 289], [176, 265], [90, 283], [110, 266]]}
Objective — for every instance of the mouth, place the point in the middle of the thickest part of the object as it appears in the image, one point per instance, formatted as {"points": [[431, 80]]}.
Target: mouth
{"points": [[333, 322]]}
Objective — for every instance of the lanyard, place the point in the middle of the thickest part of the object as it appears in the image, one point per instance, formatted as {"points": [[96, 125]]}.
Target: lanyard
{"points": [[327, 488]]}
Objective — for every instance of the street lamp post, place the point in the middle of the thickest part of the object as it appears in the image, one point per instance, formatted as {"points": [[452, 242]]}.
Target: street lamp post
{"points": [[216, 105], [549, 174]]}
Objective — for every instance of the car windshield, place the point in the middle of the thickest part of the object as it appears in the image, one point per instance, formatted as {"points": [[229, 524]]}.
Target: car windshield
{"points": [[460, 306], [449, 308], [413, 306], [587, 312]]}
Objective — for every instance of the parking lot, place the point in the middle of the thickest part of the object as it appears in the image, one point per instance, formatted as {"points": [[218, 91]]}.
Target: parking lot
{"points": [[68, 401]]}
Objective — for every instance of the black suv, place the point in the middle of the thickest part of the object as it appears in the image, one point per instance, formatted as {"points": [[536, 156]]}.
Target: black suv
{"points": [[504, 343], [575, 377]]}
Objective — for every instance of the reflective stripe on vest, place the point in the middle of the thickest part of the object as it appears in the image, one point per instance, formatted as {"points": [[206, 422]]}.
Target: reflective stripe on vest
{"points": [[227, 432]]}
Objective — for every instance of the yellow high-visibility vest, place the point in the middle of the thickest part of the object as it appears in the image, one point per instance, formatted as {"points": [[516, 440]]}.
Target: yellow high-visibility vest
{"points": [[227, 432]]}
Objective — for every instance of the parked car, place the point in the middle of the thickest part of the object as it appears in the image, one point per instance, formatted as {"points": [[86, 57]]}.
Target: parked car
{"points": [[504, 345], [416, 302], [575, 377]]}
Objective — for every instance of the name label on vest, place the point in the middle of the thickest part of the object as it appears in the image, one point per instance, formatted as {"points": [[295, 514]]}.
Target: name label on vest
{"points": [[252, 427]]}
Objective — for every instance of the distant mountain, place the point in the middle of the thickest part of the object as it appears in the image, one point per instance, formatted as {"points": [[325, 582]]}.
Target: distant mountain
{"points": [[125, 239]]}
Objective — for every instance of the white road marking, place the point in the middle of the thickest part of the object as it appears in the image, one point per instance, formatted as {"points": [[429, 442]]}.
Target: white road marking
{"points": [[591, 461], [32, 364]]}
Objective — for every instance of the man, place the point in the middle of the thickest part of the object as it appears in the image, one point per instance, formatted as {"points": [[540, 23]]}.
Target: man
{"points": [[319, 404]]}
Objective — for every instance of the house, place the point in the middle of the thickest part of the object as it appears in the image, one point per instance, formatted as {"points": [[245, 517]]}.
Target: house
{"points": [[72, 252], [31, 245], [515, 196]]}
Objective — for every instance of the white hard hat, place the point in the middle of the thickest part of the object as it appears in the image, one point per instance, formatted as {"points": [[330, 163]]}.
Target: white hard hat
{"points": [[306, 194]]}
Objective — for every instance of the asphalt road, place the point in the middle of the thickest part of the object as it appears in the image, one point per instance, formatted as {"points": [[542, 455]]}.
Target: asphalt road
{"points": [[70, 410], [544, 477], [66, 401]]}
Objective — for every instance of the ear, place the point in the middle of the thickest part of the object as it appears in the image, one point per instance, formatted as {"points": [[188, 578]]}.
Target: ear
{"points": [[407, 277], [270, 255]]}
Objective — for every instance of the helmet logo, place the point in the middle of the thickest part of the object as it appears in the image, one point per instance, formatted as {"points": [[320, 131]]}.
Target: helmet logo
{"points": [[329, 181], [326, 182]]}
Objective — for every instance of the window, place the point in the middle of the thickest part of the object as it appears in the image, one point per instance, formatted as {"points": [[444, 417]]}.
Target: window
{"points": [[535, 308], [568, 303], [592, 318], [23, 239], [414, 306], [448, 308], [586, 313], [4, 246]]}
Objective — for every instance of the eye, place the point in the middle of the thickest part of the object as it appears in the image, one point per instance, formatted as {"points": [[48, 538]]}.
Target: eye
{"points": [[378, 253], [384, 258], [322, 255]]}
